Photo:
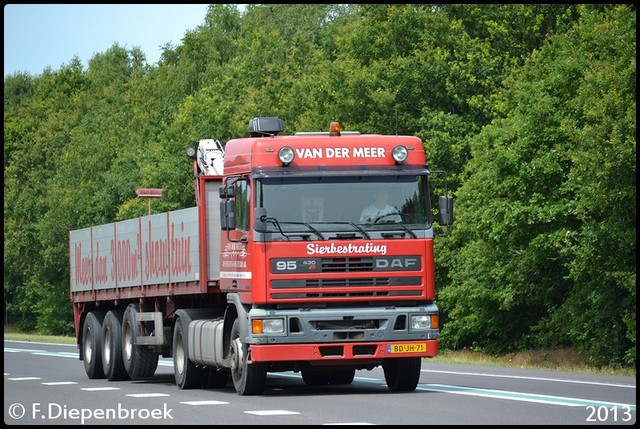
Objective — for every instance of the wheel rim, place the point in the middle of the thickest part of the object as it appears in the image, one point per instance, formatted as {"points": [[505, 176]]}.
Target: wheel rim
{"points": [[128, 341], [179, 354], [88, 350], [237, 358], [106, 347]]}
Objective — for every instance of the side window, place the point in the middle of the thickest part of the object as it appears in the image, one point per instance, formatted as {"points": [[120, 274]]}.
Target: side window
{"points": [[243, 196]]}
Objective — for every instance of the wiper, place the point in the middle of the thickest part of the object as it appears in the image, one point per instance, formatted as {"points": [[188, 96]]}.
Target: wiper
{"points": [[359, 228], [362, 231], [411, 233], [303, 236]]}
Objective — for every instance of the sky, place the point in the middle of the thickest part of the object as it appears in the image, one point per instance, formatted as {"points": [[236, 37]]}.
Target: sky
{"points": [[41, 35]]}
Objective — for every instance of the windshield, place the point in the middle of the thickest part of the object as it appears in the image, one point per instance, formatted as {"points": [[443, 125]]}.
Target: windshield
{"points": [[350, 203]]}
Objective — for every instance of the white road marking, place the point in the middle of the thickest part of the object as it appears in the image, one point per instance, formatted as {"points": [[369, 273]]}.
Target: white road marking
{"points": [[271, 413], [204, 402]]}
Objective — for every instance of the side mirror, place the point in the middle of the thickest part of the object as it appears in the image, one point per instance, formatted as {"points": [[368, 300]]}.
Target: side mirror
{"points": [[445, 210], [226, 191], [228, 215], [260, 219]]}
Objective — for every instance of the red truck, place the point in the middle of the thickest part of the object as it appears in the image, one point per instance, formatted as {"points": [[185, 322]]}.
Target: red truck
{"points": [[291, 260]]}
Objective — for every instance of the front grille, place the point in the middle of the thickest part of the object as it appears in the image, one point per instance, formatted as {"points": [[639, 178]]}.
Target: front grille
{"points": [[347, 282], [346, 265], [316, 283]]}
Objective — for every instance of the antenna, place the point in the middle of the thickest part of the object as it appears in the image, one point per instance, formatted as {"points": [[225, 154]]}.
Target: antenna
{"points": [[396, 119]]}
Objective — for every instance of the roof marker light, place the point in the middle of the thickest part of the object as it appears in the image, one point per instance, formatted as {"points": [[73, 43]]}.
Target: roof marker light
{"points": [[399, 154], [286, 155], [334, 128]]}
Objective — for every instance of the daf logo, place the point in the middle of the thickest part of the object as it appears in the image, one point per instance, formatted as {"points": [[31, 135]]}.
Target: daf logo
{"points": [[399, 263]]}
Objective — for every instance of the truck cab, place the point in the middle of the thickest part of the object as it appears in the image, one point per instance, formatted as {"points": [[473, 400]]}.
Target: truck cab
{"points": [[322, 289]]}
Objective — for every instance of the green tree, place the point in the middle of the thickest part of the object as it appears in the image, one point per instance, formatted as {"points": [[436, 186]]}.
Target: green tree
{"points": [[546, 215]]}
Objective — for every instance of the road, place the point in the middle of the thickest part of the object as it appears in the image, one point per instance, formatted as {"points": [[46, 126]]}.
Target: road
{"points": [[46, 384]]}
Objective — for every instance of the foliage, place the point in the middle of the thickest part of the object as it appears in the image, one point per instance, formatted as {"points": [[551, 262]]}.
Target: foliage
{"points": [[546, 214], [529, 108]]}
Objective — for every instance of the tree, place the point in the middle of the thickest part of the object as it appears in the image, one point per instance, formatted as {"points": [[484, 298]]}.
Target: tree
{"points": [[546, 214]]}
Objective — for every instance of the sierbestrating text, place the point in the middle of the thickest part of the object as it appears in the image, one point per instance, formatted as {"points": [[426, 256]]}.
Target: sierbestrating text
{"points": [[317, 249]]}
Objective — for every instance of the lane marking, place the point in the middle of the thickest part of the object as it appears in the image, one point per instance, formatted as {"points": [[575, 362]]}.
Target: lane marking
{"points": [[204, 403], [147, 395], [527, 397], [522, 377], [497, 394], [271, 413], [57, 354], [24, 378], [99, 389], [59, 383]]}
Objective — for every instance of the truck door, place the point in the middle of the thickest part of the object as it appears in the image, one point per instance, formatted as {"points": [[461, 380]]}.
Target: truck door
{"points": [[235, 267]]}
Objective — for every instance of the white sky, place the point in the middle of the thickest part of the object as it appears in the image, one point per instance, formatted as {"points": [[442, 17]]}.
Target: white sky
{"points": [[41, 35]]}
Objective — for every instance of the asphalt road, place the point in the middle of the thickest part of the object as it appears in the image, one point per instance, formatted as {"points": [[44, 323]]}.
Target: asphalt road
{"points": [[45, 384]]}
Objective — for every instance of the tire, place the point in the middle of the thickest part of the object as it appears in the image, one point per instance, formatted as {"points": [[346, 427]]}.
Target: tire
{"points": [[248, 379], [186, 373], [92, 344], [313, 377], [112, 361], [323, 377], [217, 378], [402, 374], [139, 361], [342, 376]]}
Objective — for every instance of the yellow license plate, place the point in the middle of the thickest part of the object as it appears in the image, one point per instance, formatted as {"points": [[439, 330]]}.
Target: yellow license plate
{"points": [[407, 348]]}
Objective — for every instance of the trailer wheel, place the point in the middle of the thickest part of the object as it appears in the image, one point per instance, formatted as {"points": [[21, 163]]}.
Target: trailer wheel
{"points": [[139, 361], [402, 374], [112, 361], [92, 344], [186, 373], [248, 379]]}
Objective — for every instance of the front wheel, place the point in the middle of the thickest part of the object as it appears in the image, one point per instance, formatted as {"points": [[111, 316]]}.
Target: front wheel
{"points": [[248, 379], [402, 374]]}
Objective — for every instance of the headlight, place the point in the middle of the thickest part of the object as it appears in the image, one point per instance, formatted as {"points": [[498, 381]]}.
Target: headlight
{"points": [[285, 155], [267, 326], [420, 322], [399, 154]]}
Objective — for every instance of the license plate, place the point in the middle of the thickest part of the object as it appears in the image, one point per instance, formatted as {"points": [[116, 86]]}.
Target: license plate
{"points": [[407, 348]]}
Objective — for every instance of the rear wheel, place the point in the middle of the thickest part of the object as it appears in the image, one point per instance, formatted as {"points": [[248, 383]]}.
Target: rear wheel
{"points": [[248, 379], [92, 344], [186, 373], [112, 361], [139, 361], [402, 374], [217, 377]]}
